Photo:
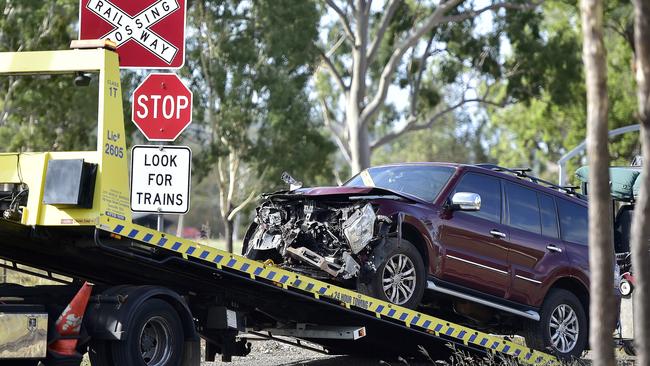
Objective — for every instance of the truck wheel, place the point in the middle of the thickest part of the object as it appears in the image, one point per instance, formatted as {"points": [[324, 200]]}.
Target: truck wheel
{"points": [[154, 338], [400, 275], [562, 327], [99, 352]]}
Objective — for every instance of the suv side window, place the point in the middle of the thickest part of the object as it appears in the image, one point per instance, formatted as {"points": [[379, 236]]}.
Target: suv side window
{"points": [[549, 215], [489, 188], [574, 222], [523, 209]]}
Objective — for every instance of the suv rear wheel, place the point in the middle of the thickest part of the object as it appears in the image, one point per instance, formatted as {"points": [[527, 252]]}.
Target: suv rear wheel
{"points": [[562, 327]]}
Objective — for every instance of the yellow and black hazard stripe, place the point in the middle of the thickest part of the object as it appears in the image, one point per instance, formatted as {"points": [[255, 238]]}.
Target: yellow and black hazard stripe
{"points": [[348, 298]]}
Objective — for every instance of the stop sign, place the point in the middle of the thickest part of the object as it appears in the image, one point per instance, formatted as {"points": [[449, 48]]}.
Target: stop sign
{"points": [[162, 107]]}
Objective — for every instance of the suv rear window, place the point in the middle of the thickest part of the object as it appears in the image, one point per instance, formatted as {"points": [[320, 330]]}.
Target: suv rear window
{"points": [[523, 209], [489, 189], [574, 222]]}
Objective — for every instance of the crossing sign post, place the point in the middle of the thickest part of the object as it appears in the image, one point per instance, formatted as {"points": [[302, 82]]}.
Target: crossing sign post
{"points": [[149, 33], [162, 109]]}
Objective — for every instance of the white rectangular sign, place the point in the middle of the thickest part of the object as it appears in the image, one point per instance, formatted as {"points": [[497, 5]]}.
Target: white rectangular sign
{"points": [[160, 178]]}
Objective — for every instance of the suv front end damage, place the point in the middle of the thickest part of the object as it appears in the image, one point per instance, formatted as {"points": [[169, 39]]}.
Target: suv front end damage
{"points": [[323, 236]]}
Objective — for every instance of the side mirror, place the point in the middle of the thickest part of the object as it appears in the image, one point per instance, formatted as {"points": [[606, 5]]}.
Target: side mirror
{"points": [[466, 201]]}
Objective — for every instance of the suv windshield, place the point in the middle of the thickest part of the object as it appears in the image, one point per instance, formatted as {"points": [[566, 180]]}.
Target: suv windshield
{"points": [[424, 182]]}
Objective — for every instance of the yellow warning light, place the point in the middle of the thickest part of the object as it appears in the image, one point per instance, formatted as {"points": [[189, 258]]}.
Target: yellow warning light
{"points": [[93, 43]]}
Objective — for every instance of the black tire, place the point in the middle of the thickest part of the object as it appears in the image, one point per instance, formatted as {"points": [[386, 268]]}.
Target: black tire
{"points": [[259, 255], [248, 236], [156, 327], [538, 334], [372, 283], [100, 353]]}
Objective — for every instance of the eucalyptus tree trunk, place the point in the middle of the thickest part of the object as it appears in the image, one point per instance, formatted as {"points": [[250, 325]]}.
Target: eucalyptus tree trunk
{"points": [[357, 130], [640, 225], [601, 247], [365, 93]]}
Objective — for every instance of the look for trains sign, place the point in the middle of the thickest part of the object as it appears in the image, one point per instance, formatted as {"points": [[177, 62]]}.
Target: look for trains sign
{"points": [[149, 33], [160, 179]]}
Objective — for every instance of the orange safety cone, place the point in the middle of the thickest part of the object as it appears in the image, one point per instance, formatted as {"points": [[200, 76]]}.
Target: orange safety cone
{"points": [[69, 323]]}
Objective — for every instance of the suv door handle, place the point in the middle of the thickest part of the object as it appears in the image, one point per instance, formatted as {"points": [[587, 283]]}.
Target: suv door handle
{"points": [[497, 233], [553, 248]]}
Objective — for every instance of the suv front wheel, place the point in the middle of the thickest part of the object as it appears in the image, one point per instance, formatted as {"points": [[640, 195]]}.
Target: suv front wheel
{"points": [[400, 276], [562, 328]]}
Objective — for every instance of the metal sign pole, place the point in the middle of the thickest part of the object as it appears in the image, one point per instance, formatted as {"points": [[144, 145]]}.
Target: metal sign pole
{"points": [[161, 223]]}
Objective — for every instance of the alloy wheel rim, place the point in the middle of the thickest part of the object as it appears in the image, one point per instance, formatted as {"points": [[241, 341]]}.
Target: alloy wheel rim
{"points": [[398, 279], [564, 328], [155, 342]]}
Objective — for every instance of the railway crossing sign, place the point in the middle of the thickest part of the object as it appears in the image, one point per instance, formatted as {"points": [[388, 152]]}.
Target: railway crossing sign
{"points": [[160, 179], [162, 107], [149, 33]]}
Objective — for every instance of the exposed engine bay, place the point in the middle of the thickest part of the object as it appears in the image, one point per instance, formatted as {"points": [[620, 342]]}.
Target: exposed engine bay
{"points": [[321, 238]]}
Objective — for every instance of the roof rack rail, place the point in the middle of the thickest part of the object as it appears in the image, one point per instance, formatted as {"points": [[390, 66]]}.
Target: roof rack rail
{"points": [[522, 173]]}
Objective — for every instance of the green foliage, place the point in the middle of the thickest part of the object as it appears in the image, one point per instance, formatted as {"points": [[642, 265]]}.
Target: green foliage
{"points": [[249, 64], [39, 122], [29, 25], [452, 139], [546, 53], [47, 113], [551, 82]]}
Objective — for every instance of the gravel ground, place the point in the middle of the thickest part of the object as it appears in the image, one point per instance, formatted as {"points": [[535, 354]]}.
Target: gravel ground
{"points": [[272, 353]]}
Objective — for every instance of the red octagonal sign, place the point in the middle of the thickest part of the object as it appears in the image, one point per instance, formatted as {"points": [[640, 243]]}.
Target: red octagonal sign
{"points": [[149, 33], [162, 107]]}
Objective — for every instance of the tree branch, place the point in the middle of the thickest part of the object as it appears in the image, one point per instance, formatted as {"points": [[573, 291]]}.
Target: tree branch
{"points": [[342, 18], [474, 13], [418, 79], [332, 69], [387, 73], [223, 210], [233, 169], [412, 124], [389, 11], [241, 206], [6, 106]]}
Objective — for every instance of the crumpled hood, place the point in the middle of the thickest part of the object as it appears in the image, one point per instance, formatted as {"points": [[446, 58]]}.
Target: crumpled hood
{"points": [[345, 192]]}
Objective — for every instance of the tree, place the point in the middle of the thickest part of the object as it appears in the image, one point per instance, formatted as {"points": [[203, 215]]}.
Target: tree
{"points": [[367, 55], [641, 225], [30, 119], [601, 246], [455, 139], [248, 63], [550, 121]]}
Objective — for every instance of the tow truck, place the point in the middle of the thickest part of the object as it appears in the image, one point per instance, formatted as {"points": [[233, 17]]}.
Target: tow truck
{"points": [[155, 295]]}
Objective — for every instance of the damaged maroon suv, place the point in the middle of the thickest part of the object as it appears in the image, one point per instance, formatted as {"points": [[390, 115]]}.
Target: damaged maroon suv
{"points": [[486, 245]]}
